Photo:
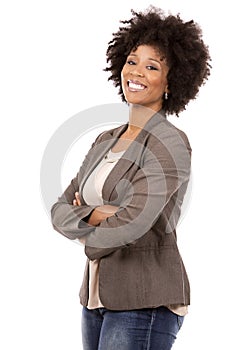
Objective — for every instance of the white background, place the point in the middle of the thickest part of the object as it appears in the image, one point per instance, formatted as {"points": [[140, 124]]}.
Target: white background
{"points": [[52, 56]]}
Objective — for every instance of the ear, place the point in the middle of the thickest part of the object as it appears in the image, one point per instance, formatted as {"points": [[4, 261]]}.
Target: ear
{"points": [[166, 89]]}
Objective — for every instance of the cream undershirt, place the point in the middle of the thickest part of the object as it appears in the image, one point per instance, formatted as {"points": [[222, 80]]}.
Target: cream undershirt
{"points": [[92, 194]]}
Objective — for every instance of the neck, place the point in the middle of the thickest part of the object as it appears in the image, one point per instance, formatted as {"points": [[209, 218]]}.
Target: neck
{"points": [[138, 117]]}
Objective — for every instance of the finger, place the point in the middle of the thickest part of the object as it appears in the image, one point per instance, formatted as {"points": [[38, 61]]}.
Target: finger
{"points": [[75, 202], [77, 198]]}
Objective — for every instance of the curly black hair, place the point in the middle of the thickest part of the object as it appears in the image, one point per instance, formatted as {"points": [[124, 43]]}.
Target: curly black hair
{"points": [[179, 42]]}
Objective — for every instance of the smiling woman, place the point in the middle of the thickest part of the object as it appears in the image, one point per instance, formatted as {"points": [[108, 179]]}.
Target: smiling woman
{"points": [[125, 202], [144, 77], [177, 45]]}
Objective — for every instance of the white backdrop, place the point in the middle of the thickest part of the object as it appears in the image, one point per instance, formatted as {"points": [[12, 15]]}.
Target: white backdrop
{"points": [[52, 56]]}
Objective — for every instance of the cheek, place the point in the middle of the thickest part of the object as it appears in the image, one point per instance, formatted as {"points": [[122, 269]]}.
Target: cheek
{"points": [[155, 84], [123, 81], [123, 73], [159, 83]]}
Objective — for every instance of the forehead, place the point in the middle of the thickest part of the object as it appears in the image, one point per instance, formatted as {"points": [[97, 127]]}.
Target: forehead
{"points": [[150, 51]]}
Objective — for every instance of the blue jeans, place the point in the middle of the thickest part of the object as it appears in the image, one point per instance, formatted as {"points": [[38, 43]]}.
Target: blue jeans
{"points": [[144, 329]]}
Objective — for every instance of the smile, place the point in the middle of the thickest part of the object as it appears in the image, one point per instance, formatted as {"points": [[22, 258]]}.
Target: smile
{"points": [[135, 85]]}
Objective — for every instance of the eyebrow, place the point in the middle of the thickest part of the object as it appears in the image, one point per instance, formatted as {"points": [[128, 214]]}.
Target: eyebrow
{"points": [[149, 58]]}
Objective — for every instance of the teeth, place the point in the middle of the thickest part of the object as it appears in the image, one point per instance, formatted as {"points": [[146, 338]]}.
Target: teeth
{"points": [[136, 86]]}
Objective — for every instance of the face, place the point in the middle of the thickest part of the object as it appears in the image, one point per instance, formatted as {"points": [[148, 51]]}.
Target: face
{"points": [[144, 77]]}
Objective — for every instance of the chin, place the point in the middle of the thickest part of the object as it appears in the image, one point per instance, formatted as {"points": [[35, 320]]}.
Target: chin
{"points": [[133, 99], [135, 102]]}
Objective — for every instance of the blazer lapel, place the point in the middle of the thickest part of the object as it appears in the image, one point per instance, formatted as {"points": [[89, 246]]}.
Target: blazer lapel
{"points": [[132, 155], [96, 154]]}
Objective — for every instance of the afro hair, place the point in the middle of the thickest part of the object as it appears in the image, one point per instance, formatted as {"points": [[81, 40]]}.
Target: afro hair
{"points": [[179, 42]]}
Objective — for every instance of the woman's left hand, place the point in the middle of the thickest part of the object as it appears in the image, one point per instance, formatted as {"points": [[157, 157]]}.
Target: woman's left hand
{"points": [[76, 201], [99, 214]]}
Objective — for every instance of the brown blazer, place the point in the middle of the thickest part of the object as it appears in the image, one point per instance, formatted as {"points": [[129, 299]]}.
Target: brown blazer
{"points": [[140, 265]]}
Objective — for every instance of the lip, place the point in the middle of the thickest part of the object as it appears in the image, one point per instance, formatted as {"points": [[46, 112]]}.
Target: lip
{"points": [[135, 82]]}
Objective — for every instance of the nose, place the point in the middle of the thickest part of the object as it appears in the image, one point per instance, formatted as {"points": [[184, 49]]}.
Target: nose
{"points": [[136, 72]]}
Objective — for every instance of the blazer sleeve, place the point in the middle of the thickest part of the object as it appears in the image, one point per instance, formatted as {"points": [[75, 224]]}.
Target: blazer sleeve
{"points": [[164, 171], [64, 215], [164, 175]]}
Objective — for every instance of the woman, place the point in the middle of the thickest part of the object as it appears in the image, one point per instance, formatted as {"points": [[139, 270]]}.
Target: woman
{"points": [[125, 202]]}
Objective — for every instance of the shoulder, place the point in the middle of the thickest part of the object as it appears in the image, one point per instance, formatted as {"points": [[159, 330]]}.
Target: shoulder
{"points": [[180, 134], [168, 134]]}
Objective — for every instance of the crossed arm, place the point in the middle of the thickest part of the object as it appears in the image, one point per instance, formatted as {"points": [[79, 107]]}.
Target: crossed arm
{"points": [[107, 228], [99, 214]]}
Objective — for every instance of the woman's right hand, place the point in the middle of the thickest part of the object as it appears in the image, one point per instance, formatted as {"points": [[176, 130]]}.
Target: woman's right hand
{"points": [[100, 214]]}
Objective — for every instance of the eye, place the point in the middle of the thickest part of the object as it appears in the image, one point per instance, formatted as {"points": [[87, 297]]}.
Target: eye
{"points": [[131, 62], [152, 68]]}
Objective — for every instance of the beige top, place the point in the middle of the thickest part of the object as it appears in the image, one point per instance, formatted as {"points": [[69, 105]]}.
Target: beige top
{"points": [[92, 194]]}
